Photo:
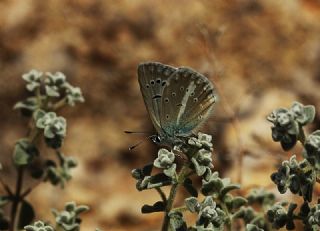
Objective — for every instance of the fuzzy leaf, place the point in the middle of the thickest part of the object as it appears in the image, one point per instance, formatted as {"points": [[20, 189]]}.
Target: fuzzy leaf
{"points": [[4, 224], [24, 152], [237, 202], [189, 187], [156, 207], [192, 204], [228, 188], [26, 214], [147, 169], [310, 112]]}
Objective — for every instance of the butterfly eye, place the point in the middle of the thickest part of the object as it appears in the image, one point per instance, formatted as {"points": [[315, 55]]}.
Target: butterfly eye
{"points": [[147, 85], [158, 80], [167, 116], [164, 83], [192, 94], [166, 100], [173, 94], [152, 82], [195, 100], [181, 88], [156, 139]]}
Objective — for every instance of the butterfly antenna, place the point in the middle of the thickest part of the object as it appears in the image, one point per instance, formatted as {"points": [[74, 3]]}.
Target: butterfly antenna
{"points": [[140, 142], [133, 132]]}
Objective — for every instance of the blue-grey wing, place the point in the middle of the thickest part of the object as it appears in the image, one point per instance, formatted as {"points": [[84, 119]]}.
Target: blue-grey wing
{"points": [[187, 102], [153, 79]]}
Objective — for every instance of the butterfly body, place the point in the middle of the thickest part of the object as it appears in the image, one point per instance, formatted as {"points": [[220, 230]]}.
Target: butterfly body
{"points": [[178, 100]]}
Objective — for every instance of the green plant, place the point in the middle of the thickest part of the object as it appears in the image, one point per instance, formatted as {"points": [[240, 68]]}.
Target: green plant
{"points": [[222, 204], [300, 177], [220, 208], [50, 92]]}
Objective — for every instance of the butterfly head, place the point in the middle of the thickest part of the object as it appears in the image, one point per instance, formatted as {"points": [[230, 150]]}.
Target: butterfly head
{"points": [[163, 140], [156, 139]]}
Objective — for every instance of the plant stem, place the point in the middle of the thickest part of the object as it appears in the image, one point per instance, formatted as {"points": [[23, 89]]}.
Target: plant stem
{"points": [[166, 219], [162, 195], [302, 136], [6, 187], [16, 200], [59, 104], [173, 192], [225, 209], [17, 197]]}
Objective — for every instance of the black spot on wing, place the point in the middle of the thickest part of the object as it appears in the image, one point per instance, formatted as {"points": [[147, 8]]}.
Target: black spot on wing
{"points": [[156, 97]]}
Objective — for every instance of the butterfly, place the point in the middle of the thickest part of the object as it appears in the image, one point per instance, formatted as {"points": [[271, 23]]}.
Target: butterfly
{"points": [[178, 100]]}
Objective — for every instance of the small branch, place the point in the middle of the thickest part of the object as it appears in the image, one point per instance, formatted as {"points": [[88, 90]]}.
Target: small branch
{"points": [[302, 136], [16, 199], [59, 104], [29, 190], [225, 209], [166, 219], [173, 192], [162, 195], [6, 187]]}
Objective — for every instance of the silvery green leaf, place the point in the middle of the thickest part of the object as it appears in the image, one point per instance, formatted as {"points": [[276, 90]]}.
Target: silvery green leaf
{"points": [[30, 104], [38, 226], [226, 189], [20, 156], [171, 171], [177, 222], [237, 202], [38, 114], [204, 157], [70, 227], [165, 159], [212, 185], [137, 174], [52, 91], [157, 163], [194, 142], [251, 227], [32, 86], [70, 206], [32, 75], [310, 112], [205, 140], [73, 95], [192, 204], [208, 201], [33, 79], [81, 209], [57, 78], [24, 152], [200, 170], [48, 132]]}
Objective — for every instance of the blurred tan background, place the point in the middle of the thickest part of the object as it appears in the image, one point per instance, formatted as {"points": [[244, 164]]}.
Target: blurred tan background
{"points": [[260, 55]]}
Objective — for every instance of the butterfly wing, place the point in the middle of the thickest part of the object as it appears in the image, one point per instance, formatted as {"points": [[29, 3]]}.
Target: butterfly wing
{"points": [[153, 79], [186, 103]]}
